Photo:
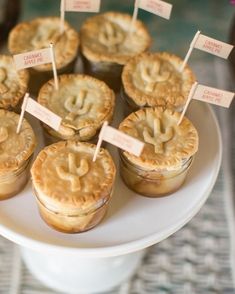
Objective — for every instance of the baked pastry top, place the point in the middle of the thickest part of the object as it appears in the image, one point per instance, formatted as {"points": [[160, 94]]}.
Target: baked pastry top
{"points": [[82, 102], [167, 145], [154, 79], [39, 33], [15, 148], [66, 178], [13, 83], [105, 37]]}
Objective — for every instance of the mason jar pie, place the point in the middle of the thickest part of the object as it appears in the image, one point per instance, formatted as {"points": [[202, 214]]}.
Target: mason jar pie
{"points": [[154, 79], [38, 34], [13, 84], [71, 190], [107, 44], [16, 152], [83, 103], [167, 155]]}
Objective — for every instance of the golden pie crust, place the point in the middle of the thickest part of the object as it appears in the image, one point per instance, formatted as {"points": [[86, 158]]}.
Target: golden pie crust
{"points": [[167, 145], [13, 83], [82, 102], [73, 186], [153, 79], [15, 149], [104, 38], [38, 34]]}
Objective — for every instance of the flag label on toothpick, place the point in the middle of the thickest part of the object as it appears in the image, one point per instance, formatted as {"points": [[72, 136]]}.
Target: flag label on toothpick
{"points": [[119, 139], [157, 7], [123, 141], [213, 46], [43, 114], [82, 5], [32, 58], [213, 96]]}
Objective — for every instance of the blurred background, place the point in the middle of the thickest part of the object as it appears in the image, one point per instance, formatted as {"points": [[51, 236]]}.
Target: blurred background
{"points": [[211, 17]]}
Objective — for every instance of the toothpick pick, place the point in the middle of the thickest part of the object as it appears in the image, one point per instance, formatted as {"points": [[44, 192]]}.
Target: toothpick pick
{"points": [[99, 141], [189, 51], [134, 17], [190, 96], [23, 107], [54, 67], [62, 15]]}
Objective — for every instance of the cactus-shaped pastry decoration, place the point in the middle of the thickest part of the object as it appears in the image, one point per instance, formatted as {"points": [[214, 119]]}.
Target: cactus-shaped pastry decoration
{"points": [[3, 134], [159, 138], [77, 105], [73, 173], [110, 37], [151, 75], [3, 75]]}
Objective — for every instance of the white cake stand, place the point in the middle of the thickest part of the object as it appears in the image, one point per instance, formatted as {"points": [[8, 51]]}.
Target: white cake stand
{"points": [[108, 254]]}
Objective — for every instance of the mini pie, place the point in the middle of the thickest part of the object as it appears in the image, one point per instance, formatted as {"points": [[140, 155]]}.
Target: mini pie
{"points": [[167, 145], [104, 38], [15, 149], [15, 153], [39, 33], [82, 102], [69, 186], [13, 84], [153, 79]]}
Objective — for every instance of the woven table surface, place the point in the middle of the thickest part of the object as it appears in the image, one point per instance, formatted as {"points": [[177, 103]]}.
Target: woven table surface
{"points": [[200, 257]]}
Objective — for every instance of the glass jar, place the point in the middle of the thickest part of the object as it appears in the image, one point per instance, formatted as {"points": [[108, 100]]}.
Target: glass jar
{"points": [[129, 105], [153, 183], [73, 191], [84, 220], [12, 182]]}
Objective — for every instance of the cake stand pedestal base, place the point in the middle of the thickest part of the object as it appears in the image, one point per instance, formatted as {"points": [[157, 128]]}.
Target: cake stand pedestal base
{"points": [[75, 274]]}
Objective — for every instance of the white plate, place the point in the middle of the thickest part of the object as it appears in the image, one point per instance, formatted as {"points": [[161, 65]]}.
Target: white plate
{"points": [[133, 222]]}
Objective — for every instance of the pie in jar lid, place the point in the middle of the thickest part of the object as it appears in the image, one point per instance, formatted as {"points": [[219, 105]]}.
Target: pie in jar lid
{"points": [[38, 34], [13, 83], [154, 79], [83, 103], [72, 191], [167, 145], [15, 148], [105, 38]]}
